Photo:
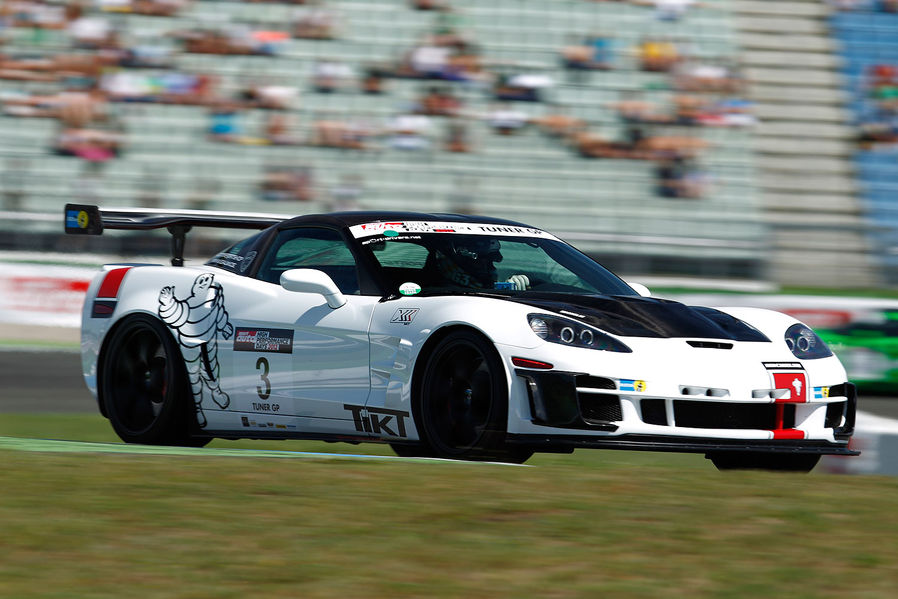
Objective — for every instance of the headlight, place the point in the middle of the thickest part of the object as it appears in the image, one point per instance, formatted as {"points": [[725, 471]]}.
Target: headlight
{"points": [[805, 344], [573, 333]]}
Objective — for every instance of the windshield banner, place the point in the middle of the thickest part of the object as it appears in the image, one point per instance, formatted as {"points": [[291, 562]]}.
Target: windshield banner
{"points": [[394, 229]]}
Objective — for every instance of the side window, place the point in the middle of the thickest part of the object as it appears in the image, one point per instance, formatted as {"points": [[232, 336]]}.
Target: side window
{"points": [[321, 249]]}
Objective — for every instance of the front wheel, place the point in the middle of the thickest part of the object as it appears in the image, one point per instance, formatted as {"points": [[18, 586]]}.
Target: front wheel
{"points": [[463, 401], [143, 385], [747, 460]]}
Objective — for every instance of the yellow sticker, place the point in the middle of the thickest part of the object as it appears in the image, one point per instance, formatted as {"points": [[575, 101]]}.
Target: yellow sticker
{"points": [[83, 219]]}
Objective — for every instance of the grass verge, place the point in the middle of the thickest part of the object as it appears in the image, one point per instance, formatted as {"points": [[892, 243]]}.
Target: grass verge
{"points": [[625, 524]]}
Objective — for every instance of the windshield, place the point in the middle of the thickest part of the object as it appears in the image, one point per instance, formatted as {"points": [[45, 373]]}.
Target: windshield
{"points": [[429, 262]]}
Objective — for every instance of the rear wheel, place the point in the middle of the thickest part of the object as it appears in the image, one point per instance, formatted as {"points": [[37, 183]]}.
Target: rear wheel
{"points": [[143, 386], [747, 460], [463, 401]]}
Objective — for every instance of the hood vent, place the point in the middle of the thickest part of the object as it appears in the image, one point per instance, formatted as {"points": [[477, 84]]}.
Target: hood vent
{"points": [[710, 344]]}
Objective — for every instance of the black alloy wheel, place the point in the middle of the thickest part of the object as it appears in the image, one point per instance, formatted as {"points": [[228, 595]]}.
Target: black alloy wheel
{"points": [[143, 385], [463, 401]]}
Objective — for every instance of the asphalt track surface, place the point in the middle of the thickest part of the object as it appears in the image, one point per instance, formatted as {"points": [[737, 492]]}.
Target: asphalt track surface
{"points": [[50, 381]]}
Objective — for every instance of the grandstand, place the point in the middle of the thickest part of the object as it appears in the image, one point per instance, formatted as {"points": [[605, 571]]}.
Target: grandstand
{"points": [[773, 198], [869, 41]]}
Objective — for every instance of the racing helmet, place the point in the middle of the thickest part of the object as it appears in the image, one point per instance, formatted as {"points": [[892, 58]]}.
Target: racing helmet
{"points": [[476, 256]]}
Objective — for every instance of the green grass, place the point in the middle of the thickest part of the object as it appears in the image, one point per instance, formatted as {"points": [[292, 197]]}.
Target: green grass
{"points": [[623, 524]]}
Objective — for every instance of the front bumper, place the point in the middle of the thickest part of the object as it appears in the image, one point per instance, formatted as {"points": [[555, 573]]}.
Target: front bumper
{"points": [[590, 411]]}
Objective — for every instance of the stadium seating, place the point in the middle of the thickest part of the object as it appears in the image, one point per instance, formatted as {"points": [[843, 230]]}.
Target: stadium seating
{"points": [[608, 206]]}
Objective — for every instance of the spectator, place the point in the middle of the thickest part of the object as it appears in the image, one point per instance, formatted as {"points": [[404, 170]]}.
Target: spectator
{"points": [[410, 132], [223, 122], [438, 102], [457, 137], [678, 177], [593, 53], [507, 121], [372, 82], [316, 23], [330, 76], [658, 54], [279, 130], [525, 87], [697, 76], [335, 133], [283, 183], [557, 124], [430, 5]]}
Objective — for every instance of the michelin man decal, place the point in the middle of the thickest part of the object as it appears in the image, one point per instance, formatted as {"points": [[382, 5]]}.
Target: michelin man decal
{"points": [[197, 320]]}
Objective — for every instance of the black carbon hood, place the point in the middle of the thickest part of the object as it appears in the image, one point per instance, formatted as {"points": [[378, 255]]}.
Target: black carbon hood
{"points": [[632, 316]]}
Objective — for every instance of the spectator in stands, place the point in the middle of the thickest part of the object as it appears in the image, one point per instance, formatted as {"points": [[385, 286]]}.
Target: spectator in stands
{"points": [[668, 10], [592, 53], [658, 54], [524, 87], [372, 82], [708, 76], [315, 22], [438, 101], [345, 134], [505, 120], [285, 183], [679, 177], [410, 132], [558, 124], [265, 95], [279, 130], [223, 122], [430, 4], [331, 76], [457, 136]]}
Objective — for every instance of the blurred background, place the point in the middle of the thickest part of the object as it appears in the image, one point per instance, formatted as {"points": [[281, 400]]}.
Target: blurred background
{"points": [[747, 140]]}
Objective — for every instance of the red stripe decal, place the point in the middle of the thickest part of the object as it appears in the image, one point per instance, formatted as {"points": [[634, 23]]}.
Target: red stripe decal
{"points": [[788, 433], [110, 286]]}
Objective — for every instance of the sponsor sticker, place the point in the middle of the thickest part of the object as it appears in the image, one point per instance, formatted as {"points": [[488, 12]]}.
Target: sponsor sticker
{"points": [[632, 385], [821, 392], [791, 376], [378, 421], [279, 341], [409, 289], [396, 229], [404, 315]]}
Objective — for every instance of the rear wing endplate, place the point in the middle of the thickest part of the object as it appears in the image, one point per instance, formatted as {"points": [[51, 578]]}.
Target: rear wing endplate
{"points": [[85, 219]]}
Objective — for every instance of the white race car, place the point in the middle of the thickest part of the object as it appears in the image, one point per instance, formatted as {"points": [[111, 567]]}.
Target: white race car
{"points": [[443, 335]]}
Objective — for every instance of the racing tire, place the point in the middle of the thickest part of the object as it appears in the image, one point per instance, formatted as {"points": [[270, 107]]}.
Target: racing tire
{"points": [[747, 460], [144, 388], [462, 403]]}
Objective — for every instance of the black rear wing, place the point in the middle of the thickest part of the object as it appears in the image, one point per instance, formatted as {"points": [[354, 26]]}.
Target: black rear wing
{"points": [[84, 219]]}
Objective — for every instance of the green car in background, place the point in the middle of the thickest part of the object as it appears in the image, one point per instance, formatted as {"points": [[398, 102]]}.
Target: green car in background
{"points": [[869, 350]]}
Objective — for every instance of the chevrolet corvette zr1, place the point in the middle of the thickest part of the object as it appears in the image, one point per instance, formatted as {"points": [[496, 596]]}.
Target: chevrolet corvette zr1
{"points": [[443, 335]]}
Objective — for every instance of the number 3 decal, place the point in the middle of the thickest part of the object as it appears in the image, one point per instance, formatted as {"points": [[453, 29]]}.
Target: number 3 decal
{"points": [[262, 364]]}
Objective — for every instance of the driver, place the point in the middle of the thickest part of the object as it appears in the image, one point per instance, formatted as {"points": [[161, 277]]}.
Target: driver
{"points": [[471, 262]]}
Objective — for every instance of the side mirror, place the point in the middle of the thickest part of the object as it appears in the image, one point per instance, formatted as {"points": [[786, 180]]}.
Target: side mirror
{"points": [[308, 280], [640, 289]]}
